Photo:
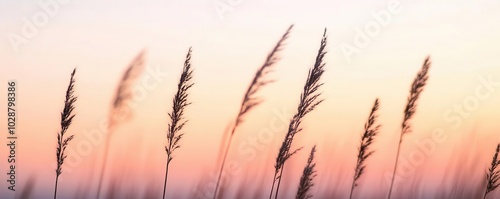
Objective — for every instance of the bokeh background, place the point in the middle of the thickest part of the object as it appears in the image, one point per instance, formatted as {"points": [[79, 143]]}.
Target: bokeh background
{"points": [[230, 40]]}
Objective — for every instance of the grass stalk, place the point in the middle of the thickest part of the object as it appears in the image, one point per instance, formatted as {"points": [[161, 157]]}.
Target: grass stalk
{"points": [[177, 120], [120, 111], [251, 100], [493, 174], [371, 130], [63, 140], [306, 181], [416, 88]]}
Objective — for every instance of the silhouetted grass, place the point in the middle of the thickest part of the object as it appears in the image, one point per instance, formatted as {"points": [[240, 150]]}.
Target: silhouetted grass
{"points": [[28, 188], [121, 111], [306, 181], [416, 88], [371, 130], [309, 99], [251, 100], [66, 120], [493, 174], [177, 121]]}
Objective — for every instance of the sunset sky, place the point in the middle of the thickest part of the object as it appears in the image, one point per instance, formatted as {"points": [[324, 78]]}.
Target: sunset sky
{"points": [[230, 40]]}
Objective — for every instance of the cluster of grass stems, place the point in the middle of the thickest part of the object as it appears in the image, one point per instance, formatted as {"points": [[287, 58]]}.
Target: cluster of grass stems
{"points": [[309, 99]]}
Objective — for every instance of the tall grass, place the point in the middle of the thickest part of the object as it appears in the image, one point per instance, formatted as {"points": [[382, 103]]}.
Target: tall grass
{"points": [[177, 120], [371, 130], [28, 188], [251, 100], [309, 99], [416, 88], [66, 120], [493, 174], [308, 175], [121, 111]]}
